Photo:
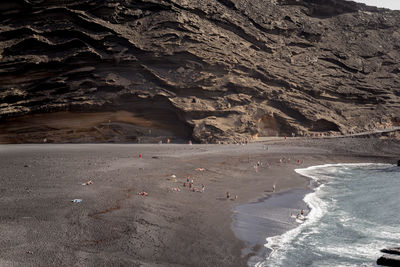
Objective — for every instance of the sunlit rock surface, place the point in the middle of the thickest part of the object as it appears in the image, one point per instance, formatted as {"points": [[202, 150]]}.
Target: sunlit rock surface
{"points": [[207, 70]]}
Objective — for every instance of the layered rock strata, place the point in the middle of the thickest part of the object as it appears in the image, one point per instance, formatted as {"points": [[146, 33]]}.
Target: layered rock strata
{"points": [[212, 69]]}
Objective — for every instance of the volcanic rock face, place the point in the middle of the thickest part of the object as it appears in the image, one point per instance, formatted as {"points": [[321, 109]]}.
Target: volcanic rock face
{"points": [[215, 69]]}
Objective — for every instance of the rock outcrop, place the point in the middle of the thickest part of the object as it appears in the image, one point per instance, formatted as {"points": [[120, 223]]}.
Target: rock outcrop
{"points": [[394, 251], [208, 70], [392, 258]]}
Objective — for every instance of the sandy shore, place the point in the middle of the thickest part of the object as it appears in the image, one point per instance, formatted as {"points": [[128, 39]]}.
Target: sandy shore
{"points": [[114, 226]]}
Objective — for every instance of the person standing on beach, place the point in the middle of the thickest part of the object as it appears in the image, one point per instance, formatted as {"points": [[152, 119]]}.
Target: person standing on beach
{"points": [[228, 195], [273, 188]]}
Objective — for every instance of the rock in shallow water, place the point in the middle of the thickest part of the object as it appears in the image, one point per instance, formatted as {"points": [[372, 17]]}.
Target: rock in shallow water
{"points": [[389, 260], [395, 251]]}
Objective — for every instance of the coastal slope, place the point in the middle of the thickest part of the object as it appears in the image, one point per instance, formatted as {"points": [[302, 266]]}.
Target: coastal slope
{"points": [[209, 70]]}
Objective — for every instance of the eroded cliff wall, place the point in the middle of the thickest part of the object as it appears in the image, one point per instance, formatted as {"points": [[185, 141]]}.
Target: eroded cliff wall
{"points": [[208, 70]]}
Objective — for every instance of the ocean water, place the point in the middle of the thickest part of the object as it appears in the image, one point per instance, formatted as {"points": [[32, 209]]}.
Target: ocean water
{"points": [[354, 212]]}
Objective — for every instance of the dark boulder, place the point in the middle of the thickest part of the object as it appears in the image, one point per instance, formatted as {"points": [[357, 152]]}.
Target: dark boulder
{"points": [[395, 251], [389, 260]]}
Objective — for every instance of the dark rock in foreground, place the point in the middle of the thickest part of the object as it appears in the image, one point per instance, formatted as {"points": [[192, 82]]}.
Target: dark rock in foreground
{"points": [[395, 251], [213, 69], [389, 260], [392, 258]]}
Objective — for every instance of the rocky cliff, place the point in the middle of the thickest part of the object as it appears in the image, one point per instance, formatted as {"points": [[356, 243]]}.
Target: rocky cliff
{"points": [[207, 70]]}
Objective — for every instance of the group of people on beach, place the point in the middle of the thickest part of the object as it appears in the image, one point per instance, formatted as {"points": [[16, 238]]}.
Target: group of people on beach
{"points": [[228, 196], [259, 164], [190, 184], [287, 160]]}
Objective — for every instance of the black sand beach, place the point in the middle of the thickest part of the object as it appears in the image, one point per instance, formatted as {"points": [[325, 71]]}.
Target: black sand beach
{"points": [[270, 216], [114, 226]]}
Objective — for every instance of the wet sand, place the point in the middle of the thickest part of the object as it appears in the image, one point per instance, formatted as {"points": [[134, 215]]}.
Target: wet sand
{"points": [[114, 226], [269, 216]]}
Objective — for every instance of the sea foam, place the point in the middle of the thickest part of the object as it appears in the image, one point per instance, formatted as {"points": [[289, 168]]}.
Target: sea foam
{"points": [[320, 203]]}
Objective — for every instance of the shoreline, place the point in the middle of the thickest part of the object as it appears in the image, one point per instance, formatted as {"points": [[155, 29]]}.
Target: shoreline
{"points": [[253, 224], [274, 221], [113, 225], [317, 209]]}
